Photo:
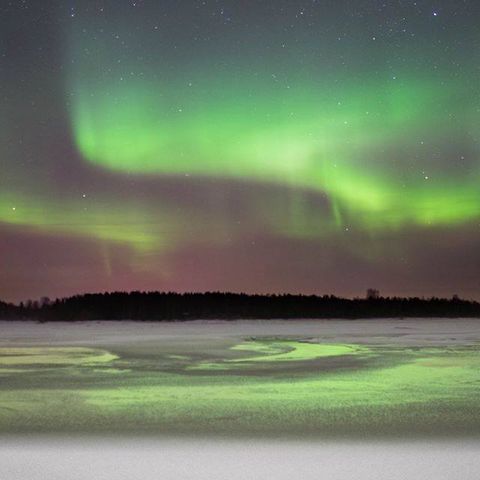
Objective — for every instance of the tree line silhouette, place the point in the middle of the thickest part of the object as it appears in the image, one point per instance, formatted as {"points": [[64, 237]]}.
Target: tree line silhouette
{"points": [[169, 306]]}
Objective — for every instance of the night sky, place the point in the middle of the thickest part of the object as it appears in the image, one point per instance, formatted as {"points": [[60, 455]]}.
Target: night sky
{"points": [[321, 146]]}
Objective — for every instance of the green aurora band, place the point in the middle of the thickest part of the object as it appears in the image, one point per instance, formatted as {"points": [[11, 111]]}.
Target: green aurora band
{"points": [[104, 222], [272, 152], [378, 150]]}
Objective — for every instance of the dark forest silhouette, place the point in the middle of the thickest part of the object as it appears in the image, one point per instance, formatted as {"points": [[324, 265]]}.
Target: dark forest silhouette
{"points": [[229, 306]]}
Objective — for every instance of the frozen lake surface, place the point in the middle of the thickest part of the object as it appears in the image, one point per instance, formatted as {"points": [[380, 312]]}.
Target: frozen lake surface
{"points": [[325, 378], [393, 331], [362, 399]]}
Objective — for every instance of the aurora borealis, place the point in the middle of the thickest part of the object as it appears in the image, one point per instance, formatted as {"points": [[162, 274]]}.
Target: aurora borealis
{"points": [[257, 146]]}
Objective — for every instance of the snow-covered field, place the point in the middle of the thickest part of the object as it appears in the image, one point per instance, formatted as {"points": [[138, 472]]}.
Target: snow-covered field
{"points": [[436, 331], [146, 378], [174, 459]]}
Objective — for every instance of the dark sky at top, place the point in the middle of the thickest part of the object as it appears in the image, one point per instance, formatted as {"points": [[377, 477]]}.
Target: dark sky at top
{"points": [[320, 146]]}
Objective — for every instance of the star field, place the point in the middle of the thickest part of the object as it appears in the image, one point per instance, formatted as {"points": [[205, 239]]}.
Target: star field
{"points": [[258, 146]]}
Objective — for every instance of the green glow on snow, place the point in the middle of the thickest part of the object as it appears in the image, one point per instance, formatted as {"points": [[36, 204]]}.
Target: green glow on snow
{"points": [[379, 389]]}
